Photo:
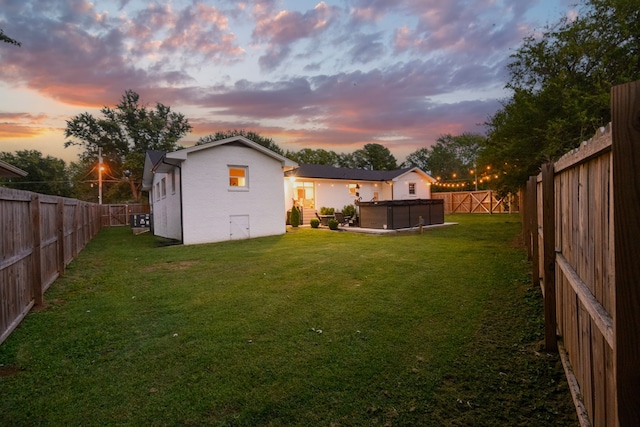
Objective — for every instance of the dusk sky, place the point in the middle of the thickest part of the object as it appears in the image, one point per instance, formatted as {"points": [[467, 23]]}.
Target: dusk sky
{"points": [[331, 74]]}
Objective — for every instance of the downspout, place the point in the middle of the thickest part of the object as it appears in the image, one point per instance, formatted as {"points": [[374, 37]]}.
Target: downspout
{"points": [[181, 215]]}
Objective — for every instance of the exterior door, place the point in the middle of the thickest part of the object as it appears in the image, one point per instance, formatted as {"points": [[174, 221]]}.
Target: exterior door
{"points": [[239, 227], [305, 195]]}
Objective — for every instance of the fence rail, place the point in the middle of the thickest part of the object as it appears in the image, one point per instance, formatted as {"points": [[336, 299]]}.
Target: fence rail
{"points": [[484, 201], [41, 234], [581, 227]]}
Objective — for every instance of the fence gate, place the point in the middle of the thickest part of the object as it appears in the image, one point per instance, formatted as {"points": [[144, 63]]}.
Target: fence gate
{"points": [[118, 215], [483, 201]]}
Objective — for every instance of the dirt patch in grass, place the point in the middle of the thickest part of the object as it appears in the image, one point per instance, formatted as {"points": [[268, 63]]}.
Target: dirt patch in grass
{"points": [[48, 304], [9, 371], [170, 266]]}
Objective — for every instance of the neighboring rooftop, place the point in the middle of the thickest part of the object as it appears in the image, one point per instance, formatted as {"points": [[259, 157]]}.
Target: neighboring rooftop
{"points": [[10, 171], [307, 170]]}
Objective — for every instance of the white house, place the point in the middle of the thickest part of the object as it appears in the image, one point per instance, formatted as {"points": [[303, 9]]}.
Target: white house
{"points": [[227, 189], [314, 186]]}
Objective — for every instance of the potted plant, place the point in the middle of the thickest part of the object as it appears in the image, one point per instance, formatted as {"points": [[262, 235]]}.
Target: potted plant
{"points": [[349, 210], [327, 211]]}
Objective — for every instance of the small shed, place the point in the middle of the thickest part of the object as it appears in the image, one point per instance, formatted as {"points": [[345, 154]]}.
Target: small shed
{"points": [[223, 190]]}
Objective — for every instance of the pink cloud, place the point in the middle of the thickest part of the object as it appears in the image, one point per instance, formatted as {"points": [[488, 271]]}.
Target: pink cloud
{"points": [[286, 28]]}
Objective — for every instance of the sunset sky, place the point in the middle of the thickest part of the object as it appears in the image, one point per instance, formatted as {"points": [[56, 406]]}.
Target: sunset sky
{"points": [[330, 74]]}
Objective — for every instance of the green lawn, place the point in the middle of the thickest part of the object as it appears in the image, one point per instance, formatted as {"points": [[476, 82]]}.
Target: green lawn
{"points": [[313, 328]]}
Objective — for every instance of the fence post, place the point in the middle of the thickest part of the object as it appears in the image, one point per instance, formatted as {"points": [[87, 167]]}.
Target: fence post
{"points": [[74, 230], [524, 217], [490, 202], [37, 261], [532, 195], [549, 257], [625, 111], [60, 225]]}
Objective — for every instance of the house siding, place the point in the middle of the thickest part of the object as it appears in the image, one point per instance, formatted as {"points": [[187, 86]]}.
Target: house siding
{"points": [[209, 203], [166, 209], [401, 187], [334, 193]]}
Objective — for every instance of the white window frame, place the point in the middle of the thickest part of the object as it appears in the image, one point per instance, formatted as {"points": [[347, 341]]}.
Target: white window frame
{"points": [[244, 187], [412, 188]]}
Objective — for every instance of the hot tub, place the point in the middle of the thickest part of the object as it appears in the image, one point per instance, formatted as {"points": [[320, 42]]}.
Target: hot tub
{"points": [[398, 214]]}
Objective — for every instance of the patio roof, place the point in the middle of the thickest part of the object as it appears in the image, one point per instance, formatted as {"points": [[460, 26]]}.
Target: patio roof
{"points": [[307, 170]]}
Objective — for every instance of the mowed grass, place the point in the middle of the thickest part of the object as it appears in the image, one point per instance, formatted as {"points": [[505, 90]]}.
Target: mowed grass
{"points": [[313, 328]]}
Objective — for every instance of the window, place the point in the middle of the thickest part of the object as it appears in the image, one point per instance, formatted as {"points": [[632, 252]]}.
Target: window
{"points": [[173, 182], [353, 189], [238, 176], [164, 187], [157, 191], [412, 188]]}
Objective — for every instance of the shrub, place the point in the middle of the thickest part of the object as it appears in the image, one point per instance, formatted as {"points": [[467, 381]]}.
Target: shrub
{"points": [[327, 211], [349, 210], [295, 217], [333, 224], [314, 223]]}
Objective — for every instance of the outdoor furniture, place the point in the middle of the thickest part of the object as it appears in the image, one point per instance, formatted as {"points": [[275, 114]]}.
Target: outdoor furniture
{"points": [[341, 218], [324, 219]]}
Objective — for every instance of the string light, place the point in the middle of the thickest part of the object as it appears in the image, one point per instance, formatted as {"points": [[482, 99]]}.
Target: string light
{"points": [[479, 176]]}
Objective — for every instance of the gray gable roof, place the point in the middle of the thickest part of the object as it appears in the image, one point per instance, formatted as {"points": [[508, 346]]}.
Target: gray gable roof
{"points": [[151, 160], [10, 171], [306, 170]]}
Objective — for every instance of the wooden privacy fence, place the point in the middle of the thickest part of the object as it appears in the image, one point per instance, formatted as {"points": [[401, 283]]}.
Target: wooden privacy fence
{"points": [[119, 214], [581, 222], [40, 235], [484, 201]]}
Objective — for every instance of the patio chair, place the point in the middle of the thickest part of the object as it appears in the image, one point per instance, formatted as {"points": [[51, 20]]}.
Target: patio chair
{"points": [[340, 218]]}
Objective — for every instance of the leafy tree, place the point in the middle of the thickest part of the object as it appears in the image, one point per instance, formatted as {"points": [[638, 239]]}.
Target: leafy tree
{"points": [[372, 157], [561, 82], [46, 175], [84, 176], [316, 157], [419, 159], [452, 158], [250, 135], [125, 133], [5, 38]]}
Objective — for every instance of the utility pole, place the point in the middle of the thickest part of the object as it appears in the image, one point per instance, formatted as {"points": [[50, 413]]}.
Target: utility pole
{"points": [[100, 175]]}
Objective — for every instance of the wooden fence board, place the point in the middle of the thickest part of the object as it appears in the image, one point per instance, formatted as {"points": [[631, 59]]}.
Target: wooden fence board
{"points": [[597, 205]]}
